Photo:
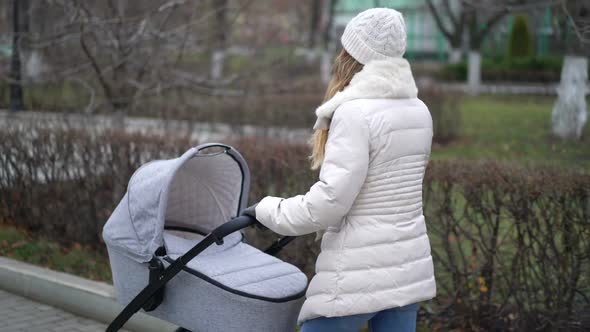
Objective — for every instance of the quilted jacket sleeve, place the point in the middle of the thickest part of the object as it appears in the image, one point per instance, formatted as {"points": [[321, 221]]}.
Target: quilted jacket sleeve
{"points": [[342, 174]]}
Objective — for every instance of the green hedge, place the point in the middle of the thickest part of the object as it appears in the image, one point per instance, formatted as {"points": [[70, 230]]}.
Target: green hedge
{"points": [[525, 69]]}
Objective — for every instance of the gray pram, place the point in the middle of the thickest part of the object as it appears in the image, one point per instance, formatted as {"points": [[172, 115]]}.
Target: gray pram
{"points": [[160, 243]]}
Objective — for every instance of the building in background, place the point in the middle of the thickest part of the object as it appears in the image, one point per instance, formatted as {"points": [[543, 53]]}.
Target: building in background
{"points": [[425, 41]]}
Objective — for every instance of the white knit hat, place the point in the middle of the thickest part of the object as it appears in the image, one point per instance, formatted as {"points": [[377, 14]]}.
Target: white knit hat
{"points": [[375, 34]]}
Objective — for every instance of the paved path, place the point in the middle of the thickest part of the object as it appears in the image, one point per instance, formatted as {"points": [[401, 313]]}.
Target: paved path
{"points": [[18, 314]]}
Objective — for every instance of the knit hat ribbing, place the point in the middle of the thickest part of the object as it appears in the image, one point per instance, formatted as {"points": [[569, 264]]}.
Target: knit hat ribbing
{"points": [[375, 34]]}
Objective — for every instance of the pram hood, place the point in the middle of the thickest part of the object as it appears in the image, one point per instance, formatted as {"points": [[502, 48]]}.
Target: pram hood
{"points": [[197, 191]]}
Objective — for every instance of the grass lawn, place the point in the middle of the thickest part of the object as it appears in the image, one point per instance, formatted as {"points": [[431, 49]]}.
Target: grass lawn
{"points": [[513, 128], [78, 260]]}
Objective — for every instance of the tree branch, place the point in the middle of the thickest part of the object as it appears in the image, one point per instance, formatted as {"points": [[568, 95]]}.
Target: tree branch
{"points": [[448, 35], [477, 35], [449, 12], [581, 30]]}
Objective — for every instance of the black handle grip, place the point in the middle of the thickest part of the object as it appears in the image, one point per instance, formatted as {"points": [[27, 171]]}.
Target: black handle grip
{"points": [[233, 225]]}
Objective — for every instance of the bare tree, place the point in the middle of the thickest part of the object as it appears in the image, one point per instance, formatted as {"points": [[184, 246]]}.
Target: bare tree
{"points": [[477, 18], [474, 18], [219, 38], [315, 13], [318, 21], [126, 51], [129, 47], [20, 19], [154, 56], [578, 12], [327, 36], [453, 29], [481, 18]]}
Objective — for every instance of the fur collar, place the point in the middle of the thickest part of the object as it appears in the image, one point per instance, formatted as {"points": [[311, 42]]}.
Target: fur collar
{"points": [[380, 79]]}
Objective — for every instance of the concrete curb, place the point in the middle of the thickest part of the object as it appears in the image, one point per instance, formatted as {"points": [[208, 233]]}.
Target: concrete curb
{"points": [[91, 299]]}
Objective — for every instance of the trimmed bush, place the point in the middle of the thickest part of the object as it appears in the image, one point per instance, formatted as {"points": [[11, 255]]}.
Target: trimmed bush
{"points": [[65, 183], [511, 244], [520, 44]]}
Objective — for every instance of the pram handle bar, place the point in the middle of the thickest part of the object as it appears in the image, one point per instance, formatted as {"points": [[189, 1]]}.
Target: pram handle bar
{"points": [[173, 269]]}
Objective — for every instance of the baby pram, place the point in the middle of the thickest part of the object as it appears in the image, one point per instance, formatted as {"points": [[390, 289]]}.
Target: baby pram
{"points": [[160, 243]]}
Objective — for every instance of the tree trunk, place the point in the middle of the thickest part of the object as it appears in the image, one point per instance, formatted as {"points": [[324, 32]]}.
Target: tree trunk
{"points": [[454, 55], [217, 63], [219, 53], [570, 111], [474, 72], [326, 57], [34, 66], [16, 88], [326, 65], [329, 8], [312, 52], [314, 23]]}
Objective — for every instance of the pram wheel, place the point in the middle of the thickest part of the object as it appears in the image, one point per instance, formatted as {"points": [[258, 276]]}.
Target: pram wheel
{"points": [[182, 329]]}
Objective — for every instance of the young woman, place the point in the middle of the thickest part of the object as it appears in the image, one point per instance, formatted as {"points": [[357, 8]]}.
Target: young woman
{"points": [[372, 141]]}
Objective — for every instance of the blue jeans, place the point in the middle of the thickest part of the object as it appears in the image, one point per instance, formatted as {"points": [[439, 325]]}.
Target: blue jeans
{"points": [[400, 319]]}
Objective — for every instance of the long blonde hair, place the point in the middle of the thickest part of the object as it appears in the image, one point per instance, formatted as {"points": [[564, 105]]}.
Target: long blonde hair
{"points": [[344, 68]]}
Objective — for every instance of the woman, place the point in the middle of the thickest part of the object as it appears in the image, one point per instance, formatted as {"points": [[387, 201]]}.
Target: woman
{"points": [[372, 141]]}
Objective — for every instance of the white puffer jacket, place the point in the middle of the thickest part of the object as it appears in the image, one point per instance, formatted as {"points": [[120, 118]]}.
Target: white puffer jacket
{"points": [[375, 253]]}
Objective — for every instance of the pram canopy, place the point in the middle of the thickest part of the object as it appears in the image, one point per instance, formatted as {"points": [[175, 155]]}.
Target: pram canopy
{"points": [[199, 191]]}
